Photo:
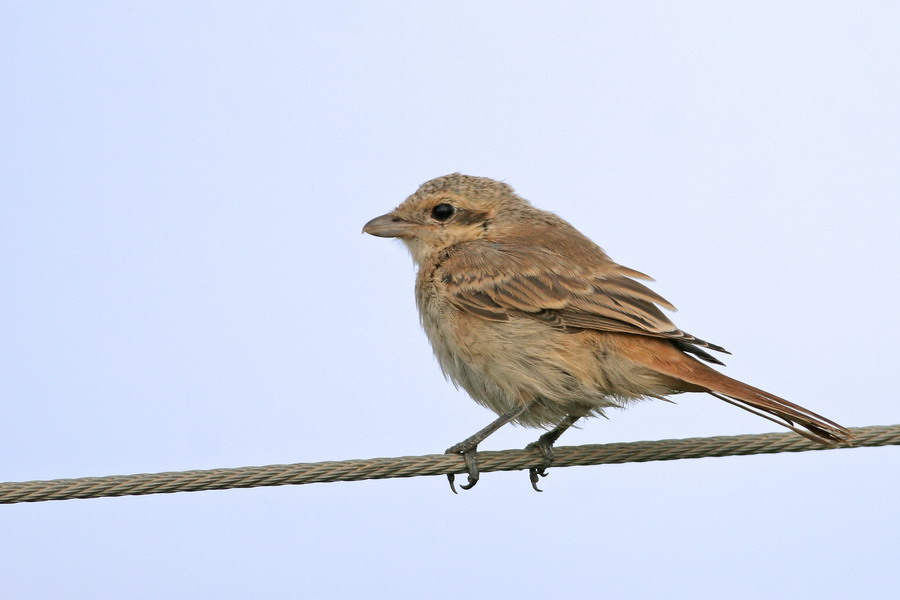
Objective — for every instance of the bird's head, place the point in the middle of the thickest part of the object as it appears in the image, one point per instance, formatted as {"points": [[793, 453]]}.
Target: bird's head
{"points": [[447, 211]]}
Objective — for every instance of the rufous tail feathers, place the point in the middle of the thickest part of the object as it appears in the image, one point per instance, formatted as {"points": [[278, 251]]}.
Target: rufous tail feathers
{"points": [[668, 360]]}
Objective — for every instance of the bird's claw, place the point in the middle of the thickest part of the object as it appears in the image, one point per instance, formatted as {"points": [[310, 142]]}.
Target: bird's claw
{"points": [[470, 455], [535, 473]]}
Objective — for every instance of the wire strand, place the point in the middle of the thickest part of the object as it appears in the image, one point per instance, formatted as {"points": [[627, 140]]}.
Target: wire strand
{"points": [[431, 464]]}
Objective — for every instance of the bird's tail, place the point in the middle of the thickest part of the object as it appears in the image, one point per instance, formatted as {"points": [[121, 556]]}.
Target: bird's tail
{"points": [[699, 377]]}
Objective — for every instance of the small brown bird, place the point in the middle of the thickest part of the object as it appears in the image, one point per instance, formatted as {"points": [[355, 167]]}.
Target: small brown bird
{"points": [[536, 322]]}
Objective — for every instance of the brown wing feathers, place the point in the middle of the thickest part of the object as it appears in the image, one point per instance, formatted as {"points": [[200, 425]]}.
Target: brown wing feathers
{"points": [[604, 298]]}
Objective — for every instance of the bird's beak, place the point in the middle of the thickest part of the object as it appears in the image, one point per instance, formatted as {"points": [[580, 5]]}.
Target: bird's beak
{"points": [[389, 225]]}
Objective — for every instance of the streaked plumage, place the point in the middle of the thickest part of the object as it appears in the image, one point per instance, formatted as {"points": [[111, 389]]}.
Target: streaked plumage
{"points": [[522, 310]]}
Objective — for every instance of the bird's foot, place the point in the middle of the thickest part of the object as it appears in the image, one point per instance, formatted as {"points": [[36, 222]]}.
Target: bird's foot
{"points": [[470, 453], [545, 445]]}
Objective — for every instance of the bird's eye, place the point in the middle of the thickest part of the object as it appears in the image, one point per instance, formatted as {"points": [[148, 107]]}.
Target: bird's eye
{"points": [[442, 211]]}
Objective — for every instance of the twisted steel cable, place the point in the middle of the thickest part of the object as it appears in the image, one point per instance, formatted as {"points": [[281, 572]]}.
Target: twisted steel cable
{"points": [[431, 464]]}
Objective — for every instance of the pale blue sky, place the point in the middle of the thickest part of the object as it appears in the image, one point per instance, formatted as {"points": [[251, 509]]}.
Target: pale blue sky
{"points": [[185, 286]]}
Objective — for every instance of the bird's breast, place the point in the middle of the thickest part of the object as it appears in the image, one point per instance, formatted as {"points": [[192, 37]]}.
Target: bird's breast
{"points": [[502, 364]]}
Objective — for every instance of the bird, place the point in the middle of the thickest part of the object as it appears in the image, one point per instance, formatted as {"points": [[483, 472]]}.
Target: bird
{"points": [[536, 323]]}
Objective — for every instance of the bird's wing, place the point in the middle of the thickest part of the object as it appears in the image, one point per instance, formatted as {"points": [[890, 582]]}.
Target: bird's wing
{"points": [[573, 287]]}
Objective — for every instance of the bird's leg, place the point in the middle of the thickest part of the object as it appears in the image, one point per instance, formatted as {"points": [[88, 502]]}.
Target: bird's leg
{"points": [[545, 445], [468, 446]]}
